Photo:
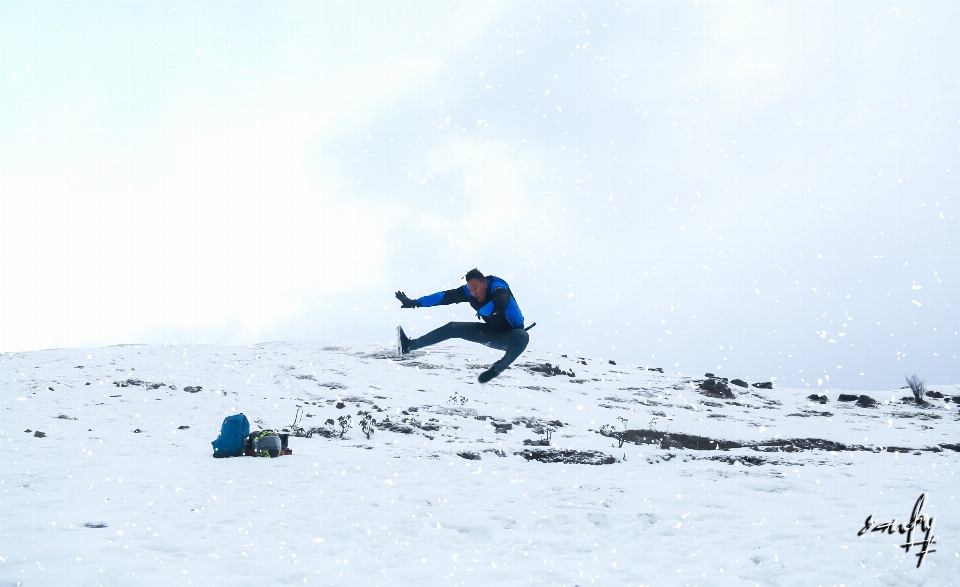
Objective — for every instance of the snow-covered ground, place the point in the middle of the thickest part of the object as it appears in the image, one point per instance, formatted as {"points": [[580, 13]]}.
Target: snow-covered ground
{"points": [[404, 507]]}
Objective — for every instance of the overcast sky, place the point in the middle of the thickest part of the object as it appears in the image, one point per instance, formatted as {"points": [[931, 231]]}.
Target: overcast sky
{"points": [[756, 189]]}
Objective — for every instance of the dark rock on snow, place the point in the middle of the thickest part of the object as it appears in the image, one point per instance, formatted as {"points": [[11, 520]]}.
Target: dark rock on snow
{"points": [[690, 441], [865, 401], [847, 397], [568, 456], [716, 388], [428, 426], [816, 397], [739, 382], [763, 385], [387, 424], [548, 370], [470, 456]]}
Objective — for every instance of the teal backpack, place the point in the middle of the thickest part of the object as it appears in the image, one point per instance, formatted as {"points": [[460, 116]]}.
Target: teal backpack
{"points": [[233, 431]]}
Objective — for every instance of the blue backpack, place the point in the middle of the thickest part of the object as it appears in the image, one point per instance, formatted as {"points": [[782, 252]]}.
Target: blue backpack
{"points": [[233, 431]]}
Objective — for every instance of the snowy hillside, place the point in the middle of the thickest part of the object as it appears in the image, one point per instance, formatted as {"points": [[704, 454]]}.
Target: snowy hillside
{"points": [[107, 477]]}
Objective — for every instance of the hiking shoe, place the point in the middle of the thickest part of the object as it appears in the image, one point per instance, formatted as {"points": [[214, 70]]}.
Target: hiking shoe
{"points": [[488, 375], [403, 343]]}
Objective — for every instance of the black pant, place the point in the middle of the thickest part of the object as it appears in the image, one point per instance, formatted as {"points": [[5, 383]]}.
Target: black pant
{"points": [[512, 341]]}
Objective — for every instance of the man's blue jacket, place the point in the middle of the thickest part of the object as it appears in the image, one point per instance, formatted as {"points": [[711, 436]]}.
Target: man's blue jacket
{"points": [[499, 310]]}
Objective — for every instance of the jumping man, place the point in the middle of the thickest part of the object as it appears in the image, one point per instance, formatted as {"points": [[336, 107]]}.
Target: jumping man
{"points": [[491, 297]]}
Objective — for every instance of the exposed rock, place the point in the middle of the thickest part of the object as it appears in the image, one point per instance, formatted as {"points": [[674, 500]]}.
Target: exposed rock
{"points": [[541, 442], [548, 370], [39, 434], [691, 441], [739, 383], [816, 397], [322, 431], [428, 426], [496, 451], [763, 385], [470, 456], [139, 383], [747, 461], [716, 388], [193, 389], [568, 456], [340, 405], [865, 401], [387, 424], [847, 397], [675, 441], [935, 394]]}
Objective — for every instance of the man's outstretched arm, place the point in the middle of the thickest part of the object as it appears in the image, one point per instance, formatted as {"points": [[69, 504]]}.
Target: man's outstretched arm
{"points": [[442, 298]]}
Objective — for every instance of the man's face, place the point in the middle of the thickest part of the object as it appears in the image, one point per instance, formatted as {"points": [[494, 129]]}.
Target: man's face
{"points": [[478, 288]]}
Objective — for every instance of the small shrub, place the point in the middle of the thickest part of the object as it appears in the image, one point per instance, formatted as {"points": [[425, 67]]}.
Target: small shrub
{"points": [[611, 431], [345, 423], [367, 424], [916, 386], [546, 432]]}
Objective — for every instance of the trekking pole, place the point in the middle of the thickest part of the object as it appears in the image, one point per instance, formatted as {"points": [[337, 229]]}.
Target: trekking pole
{"points": [[529, 327], [296, 418]]}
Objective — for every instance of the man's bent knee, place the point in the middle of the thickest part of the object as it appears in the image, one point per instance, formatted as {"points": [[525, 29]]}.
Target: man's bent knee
{"points": [[519, 336]]}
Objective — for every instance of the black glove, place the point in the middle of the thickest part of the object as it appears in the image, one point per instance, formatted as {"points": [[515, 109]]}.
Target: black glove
{"points": [[406, 302]]}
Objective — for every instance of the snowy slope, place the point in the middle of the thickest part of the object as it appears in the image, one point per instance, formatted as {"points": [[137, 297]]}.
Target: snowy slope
{"points": [[406, 506]]}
